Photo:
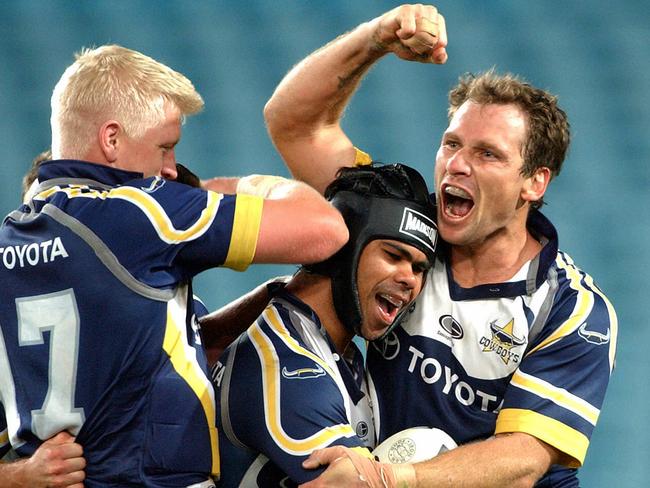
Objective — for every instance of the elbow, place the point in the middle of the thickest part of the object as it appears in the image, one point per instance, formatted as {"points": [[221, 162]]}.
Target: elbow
{"points": [[331, 237], [526, 481], [523, 482], [276, 125], [531, 473], [286, 119], [269, 111], [340, 236]]}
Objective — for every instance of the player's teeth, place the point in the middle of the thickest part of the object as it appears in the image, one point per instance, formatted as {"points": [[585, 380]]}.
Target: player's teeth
{"points": [[458, 192], [393, 301]]}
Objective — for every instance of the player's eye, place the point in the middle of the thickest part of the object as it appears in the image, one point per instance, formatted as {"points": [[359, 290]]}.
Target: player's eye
{"points": [[393, 256]]}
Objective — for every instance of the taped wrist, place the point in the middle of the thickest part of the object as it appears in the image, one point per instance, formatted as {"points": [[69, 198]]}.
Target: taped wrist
{"points": [[259, 185], [373, 473]]}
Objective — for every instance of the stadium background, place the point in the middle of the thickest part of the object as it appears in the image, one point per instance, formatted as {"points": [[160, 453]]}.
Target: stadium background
{"points": [[593, 54]]}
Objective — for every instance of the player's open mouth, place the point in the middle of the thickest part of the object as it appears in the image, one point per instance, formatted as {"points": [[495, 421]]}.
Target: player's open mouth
{"points": [[389, 306], [457, 203]]}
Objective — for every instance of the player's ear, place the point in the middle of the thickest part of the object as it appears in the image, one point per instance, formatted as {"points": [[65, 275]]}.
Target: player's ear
{"points": [[535, 185], [109, 136]]}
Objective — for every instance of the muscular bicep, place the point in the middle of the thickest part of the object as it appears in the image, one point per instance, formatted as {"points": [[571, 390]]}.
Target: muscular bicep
{"points": [[301, 231]]}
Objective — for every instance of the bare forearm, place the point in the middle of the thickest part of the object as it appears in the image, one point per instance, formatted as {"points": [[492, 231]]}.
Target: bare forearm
{"points": [[303, 116], [57, 463], [315, 92], [42, 473], [222, 326], [266, 186], [12, 474], [515, 460]]}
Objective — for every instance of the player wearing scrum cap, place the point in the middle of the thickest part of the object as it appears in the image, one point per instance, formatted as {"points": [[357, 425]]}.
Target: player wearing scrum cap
{"points": [[294, 381]]}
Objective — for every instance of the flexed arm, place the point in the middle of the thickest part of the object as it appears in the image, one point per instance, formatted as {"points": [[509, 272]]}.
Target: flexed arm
{"points": [[303, 115], [298, 225]]}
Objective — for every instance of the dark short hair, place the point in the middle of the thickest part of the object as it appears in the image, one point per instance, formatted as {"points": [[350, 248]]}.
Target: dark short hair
{"points": [[32, 173]]}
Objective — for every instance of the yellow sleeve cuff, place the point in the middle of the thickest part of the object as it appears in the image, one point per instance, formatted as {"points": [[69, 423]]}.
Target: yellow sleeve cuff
{"points": [[558, 435], [245, 231]]}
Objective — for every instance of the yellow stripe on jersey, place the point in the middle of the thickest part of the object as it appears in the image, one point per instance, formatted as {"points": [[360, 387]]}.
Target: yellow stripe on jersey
{"points": [[71, 191], [183, 359], [613, 321], [159, 219], [44, 195], [559, 396], [361, 158], [584, 304], [364, 451], [150, 208], [271, 392], [553, 432], [4, 437], [245, 231]]}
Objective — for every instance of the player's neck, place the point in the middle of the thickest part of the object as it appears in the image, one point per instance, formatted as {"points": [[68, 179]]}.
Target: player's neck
{"points": [[493, 261], [316, 291]]}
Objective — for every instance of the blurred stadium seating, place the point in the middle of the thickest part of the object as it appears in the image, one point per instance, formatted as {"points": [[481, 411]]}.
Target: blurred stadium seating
{"points": [[594, 55]]}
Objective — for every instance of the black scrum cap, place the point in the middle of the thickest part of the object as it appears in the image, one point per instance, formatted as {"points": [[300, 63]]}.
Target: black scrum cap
{"points": [[377, 202]]}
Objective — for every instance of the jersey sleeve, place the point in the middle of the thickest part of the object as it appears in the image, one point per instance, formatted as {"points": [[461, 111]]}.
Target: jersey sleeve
{"points": [[164, 232], [558, 391], [281, 399]]}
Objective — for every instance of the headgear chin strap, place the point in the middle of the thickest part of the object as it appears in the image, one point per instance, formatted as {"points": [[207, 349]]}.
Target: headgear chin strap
{"points": [[392, 202]]}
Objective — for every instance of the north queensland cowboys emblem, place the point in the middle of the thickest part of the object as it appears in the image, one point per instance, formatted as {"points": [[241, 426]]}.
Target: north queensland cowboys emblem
{"points": [[419, 227], [503, 341]]}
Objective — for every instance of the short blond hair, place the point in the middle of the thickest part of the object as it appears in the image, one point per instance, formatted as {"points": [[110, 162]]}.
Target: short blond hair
{"points": [[113, 82]]}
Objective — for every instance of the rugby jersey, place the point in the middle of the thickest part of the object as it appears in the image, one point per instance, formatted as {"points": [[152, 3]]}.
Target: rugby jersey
{"points": [[283, 391], [98, 332], [532, 355]]}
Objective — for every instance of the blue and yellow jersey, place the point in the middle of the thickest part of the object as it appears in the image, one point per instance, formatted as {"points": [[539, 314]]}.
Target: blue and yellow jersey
{"points": [[282, 392], [530, 355], [99, 334]]}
